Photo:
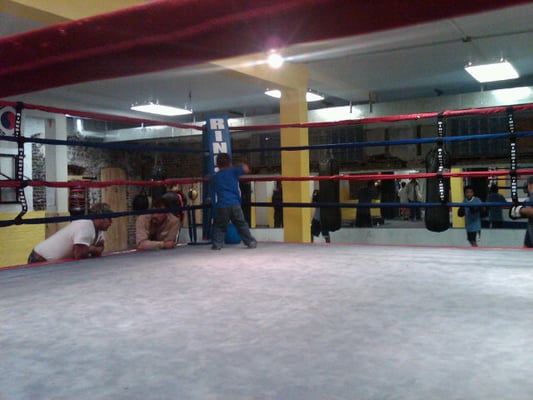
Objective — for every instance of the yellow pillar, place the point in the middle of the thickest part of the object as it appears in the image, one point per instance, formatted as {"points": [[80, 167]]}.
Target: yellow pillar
{"points": [[456, 196], [296, 221]]}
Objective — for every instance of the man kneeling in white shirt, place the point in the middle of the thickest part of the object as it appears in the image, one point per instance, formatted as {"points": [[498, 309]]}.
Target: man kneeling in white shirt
{"points": [[81, 238]]}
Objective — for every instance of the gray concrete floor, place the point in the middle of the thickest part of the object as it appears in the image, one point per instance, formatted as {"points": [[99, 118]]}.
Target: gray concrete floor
{"points": [[283, 321]]}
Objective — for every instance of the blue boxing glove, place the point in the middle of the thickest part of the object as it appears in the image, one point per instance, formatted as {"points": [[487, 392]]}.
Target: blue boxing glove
{"points": [[514, 212]]}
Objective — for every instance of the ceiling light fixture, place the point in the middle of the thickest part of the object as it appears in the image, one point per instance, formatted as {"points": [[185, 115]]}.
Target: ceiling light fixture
{"points": [[312, 96], [510, 95], [273, 93], [160, 109], [493, 72], [309, 96], [274, 59]]}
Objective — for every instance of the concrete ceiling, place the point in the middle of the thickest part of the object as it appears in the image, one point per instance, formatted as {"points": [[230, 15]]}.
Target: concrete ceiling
{"points": [[416, 61]]}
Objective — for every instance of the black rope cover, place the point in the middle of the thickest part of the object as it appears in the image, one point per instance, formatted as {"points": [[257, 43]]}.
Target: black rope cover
{"points": [[513, 164], [440, 159], [19, 163]]}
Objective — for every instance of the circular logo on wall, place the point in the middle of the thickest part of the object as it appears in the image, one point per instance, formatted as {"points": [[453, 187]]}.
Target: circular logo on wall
{"points": [[7, 120]]}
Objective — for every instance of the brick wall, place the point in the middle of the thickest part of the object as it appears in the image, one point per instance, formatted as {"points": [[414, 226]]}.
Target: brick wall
{"points": [[138, 166], [38, 172]]}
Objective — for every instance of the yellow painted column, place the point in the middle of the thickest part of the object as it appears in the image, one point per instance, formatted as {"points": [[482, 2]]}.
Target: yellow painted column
{"points": [[456, 196], [296, 221]]}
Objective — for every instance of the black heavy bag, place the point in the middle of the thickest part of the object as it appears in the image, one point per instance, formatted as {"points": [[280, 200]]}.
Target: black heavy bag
{"points": [[158, 174], [437, 218], [246, 199], [176, 200], [140, 201], [330, 217]]}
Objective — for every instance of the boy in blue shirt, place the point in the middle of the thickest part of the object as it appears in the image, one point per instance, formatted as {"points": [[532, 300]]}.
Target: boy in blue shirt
{"points": [[228, 202], [472, 215]]}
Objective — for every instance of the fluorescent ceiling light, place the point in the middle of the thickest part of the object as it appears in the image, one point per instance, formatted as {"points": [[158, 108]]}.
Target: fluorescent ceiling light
{"points": [[160, 109], [273, 93], [499, 71], [512, 94], [309, 96]]}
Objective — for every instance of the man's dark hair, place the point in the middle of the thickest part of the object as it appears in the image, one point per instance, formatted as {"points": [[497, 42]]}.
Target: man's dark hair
{"points": [[223, 160], [467, 187], [100, 208], [159, 203]]}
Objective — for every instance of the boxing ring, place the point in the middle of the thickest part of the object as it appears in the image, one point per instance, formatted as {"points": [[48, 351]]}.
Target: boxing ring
{"points": [[283, 321]]}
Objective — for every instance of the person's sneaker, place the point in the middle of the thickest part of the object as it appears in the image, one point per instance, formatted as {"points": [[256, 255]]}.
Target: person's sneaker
{"points": [[252, 245], [214, 247]]}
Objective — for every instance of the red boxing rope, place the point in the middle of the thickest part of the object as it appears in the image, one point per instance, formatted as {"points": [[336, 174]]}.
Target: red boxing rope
{"points": [[88, 114], [360, 121], [349, 177], [101, 184], [387, 118], [363, 177]]}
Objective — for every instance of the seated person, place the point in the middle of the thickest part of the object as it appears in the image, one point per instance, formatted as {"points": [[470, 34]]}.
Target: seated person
{"points": [[81, 238], [156, 231]]}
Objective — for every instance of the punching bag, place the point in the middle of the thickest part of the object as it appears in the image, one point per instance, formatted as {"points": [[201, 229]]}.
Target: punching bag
{"points": [[437, 219], [158, 174], [77, 200], [140, 201], [330, 217]]}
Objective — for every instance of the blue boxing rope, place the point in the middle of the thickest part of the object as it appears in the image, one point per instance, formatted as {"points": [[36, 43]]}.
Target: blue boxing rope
{"points": [[33, 221], [116, 146], [376, 143], [383, 205], [68, 218], [171, 149]]}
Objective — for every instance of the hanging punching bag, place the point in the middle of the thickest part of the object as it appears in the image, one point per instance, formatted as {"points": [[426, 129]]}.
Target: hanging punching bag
{"points": [[158, 174], [330, 217], [437, 219]]}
